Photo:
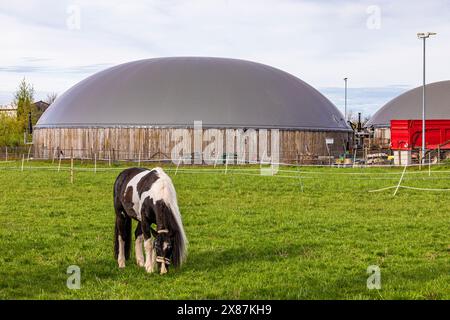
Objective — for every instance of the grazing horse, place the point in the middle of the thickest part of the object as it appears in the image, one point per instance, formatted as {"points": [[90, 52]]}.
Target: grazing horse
{"points": [[149, 197]]}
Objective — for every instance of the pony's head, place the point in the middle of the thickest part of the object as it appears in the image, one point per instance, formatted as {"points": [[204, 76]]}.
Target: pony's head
{"points": [[164, 244], [170, 243]]}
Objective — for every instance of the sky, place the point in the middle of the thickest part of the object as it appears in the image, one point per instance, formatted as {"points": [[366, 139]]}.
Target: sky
{"points": [[55, 44]]}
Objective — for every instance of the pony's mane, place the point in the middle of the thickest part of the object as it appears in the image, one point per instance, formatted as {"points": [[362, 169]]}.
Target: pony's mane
{"points": [[168, 194]]}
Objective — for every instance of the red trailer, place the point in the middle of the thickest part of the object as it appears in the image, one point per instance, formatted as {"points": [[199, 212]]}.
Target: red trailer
{"points": [[407, 134]]}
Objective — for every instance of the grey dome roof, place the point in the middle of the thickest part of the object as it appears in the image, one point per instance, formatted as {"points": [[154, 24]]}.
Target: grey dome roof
{"points": [[408, 106], [174, 92]]}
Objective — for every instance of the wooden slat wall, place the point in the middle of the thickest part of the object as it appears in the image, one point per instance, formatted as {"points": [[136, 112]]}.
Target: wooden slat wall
{"points": [[157, 143]]}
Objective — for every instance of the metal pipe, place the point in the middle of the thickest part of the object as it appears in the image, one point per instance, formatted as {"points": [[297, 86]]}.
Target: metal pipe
{"points": [[424, 36], [423, 105], [345, 107]]}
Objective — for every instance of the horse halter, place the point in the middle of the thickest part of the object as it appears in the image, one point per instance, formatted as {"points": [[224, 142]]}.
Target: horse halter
{"points": [[163, 260], [159, 258]]}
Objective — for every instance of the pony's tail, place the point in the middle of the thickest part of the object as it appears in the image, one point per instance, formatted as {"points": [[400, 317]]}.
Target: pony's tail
{"points": [[116, 241], [127, 237], [122, 227]]}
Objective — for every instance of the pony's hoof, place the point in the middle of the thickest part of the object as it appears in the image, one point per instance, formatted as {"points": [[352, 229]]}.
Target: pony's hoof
{"points": [[140, 263], [163, 269], [122, 264], [149, 269]]}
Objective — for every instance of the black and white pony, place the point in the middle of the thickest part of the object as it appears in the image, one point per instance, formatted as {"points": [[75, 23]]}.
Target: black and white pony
{"points": [[149, 197]]}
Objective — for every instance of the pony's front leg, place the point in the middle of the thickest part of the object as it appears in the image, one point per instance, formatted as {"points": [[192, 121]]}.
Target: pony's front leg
{"points": [[140, 259], [149, 255], [148, 246]]}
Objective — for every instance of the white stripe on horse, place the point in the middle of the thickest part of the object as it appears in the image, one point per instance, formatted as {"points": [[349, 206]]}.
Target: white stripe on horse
{"points": [[135, 198], [163, 189]]}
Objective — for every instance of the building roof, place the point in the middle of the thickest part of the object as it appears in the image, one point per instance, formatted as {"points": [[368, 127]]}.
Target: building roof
{"points": [[41, 105], [174, 92], [9, 110], [408, 106]]}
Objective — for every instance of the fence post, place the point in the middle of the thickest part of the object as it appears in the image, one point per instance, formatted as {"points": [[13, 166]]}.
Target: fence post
{"points": [[365, 156], [420, 159], [71, 169], [216, 160], [400, 181], [226, 163], [139, 161], [29, 151], [439, 155], [6, 156], [178, 164], [300, 178], [429, 164], [23, 160], [95, 162]]}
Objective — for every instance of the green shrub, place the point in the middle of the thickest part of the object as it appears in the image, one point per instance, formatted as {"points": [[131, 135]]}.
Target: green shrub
{"points": [[11, 134]]}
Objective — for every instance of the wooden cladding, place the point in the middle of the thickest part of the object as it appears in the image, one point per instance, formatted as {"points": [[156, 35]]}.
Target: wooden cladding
{"points": [[159, 143]]}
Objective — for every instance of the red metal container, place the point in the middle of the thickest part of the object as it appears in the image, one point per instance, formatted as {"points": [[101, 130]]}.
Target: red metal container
{"points": [[407, 134]]}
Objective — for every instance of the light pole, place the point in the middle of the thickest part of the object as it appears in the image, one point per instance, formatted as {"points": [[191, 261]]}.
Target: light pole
{"points": [[424, 36], [345, 107]]}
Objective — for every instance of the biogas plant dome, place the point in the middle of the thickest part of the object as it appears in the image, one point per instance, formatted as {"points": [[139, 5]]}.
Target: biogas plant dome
{"points": [[408, 106], [175, 92], [135, 111]]}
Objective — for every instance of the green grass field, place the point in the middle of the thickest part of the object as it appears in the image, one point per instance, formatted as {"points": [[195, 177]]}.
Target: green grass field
{"points": [[251, 236]]}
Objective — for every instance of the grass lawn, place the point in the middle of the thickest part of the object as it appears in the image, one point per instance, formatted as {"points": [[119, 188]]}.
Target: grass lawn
{"points": [[251, 236]]}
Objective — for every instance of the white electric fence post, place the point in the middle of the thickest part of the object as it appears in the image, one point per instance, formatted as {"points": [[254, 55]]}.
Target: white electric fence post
{"points": [[300, 178], [429, 164], [421, 156], [439, 155], [215, 162], [226, 163], [400, 181], [178, 164], [71, 169]]}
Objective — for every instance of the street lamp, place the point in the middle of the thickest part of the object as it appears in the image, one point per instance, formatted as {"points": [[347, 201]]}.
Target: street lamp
{"points": [[345, 107], [424, 36]]}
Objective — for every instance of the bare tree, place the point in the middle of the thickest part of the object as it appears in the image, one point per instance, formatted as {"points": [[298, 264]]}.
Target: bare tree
{"points": [[353, 118], [51, 97]]}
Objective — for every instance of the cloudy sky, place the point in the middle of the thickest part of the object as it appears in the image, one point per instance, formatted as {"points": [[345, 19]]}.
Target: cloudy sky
{"points": [[55, 44]]}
